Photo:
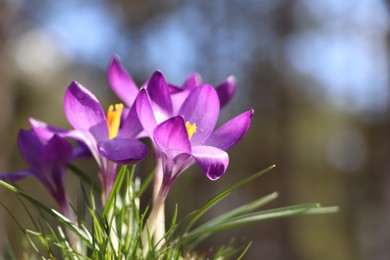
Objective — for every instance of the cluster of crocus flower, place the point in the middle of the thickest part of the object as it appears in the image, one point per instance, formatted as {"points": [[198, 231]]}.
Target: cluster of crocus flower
{"points": [[179, 121]]}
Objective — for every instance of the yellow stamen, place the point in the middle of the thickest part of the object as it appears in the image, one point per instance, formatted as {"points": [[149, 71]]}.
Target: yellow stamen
{"points": [[191, 129], [114, 119]]}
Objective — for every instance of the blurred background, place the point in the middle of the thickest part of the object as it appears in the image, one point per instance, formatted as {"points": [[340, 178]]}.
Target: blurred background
{"points": [[316, 73]]}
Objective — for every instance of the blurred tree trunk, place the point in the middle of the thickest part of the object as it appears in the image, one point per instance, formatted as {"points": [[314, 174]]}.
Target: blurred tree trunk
{"points": [[8, 15], [374, 211], [275, 89]]}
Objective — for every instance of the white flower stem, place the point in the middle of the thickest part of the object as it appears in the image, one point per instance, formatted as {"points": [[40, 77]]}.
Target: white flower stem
{"points": [[159, 232], [153, 221]]}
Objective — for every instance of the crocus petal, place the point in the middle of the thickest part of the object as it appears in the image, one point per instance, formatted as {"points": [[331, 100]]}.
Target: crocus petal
{"points": [[160, 97], [171, 137], [124, 114], [213, 161], [121, 82], [178, 100], [123, 151], [231, 132], [173, 89], [83, 110], [30, 148], [131, 127], [226, 90], [202, 108], [81, 151], [145, 112], [179, 95], [192, 81], [99, 131], [46, 132], [56, 151], [15, 176]]}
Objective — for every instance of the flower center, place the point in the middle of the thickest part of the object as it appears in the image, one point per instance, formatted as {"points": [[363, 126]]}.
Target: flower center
{"points": [[191, 129], [114, 119]]}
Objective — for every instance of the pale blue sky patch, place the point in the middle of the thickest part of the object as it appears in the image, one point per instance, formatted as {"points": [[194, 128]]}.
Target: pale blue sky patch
{"points": [[346, 53], [170, 47], [87, 31]]}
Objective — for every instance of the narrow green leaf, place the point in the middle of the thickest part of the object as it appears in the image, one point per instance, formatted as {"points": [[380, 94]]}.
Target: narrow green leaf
{"points": [[13, 217], [8, 249], [245, 208], [145, 183], [228, 250], [45, 239], [322, 210], [244, 252], [254, 217], [59, 217], [33, 221], [191, 219], [115, 190], [96, 228], [173, 223]]}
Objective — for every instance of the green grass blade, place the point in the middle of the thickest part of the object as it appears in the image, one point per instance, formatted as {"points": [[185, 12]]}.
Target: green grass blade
{"points": [[245, 250], [191, 219], [12, 216], [322, 210], [9, 252], [145, 183], [237, 212], [245, 208], [173, 223], [59, 217], [110, 204], [303, 209]]}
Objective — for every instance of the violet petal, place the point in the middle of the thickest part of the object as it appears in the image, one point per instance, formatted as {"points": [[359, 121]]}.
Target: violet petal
{"points": [[83, 110], [178, 97], [30, 148], [202, 108], [192, 81], [16, 175], [145, 112], [131, 127], [160, 97], [226, 90], [121, 82], [213, 161], [123, 151], [46, 132], [231, 132], [81, 151], [171, 137], [56, 151]]}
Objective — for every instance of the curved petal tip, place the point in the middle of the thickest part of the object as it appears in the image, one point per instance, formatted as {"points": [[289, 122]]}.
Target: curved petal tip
{"points": [[123, 151], [212, 160]]}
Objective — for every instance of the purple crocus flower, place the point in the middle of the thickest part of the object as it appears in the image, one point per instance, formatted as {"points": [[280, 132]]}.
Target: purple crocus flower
{"points": [[100, 133], [184, 137], [47, 159], [188, 137], [166, 99]]}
